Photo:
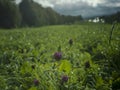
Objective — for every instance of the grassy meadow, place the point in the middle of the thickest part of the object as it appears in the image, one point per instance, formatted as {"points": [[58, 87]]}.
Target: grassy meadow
{"points": [[63, 57]]}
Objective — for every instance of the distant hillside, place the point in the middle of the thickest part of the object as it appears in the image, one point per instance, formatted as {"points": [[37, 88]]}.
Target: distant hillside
{"points": [[30, 14], [111, 18], [33, 14]]}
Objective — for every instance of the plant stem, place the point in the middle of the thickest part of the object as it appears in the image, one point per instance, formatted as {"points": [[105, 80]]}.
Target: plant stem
{"points": [[112, 29]]}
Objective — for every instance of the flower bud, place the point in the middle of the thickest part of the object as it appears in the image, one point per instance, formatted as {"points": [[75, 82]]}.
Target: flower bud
{"points": [[58, 55]]}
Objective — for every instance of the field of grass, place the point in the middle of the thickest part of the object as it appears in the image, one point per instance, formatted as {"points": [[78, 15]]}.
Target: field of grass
{"points": [[64, 57]]}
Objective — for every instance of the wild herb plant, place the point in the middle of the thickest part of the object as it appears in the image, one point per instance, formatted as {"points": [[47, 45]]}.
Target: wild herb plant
{"points": [[66, 57]]}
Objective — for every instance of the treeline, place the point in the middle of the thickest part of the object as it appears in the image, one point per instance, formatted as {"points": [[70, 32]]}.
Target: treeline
{"points": [[111, 18], [31, 14], [9, 14]]}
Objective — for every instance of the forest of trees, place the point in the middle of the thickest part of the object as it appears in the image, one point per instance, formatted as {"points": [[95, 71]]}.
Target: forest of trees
{"points": [[31, 14], [111, 18], [9, 14]]}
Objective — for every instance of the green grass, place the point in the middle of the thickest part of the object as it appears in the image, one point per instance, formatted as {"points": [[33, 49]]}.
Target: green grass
{"points": [[27, 54]]}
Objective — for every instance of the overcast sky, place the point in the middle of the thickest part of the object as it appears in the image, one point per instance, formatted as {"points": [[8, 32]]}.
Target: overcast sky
{"points": [[86, 8]]}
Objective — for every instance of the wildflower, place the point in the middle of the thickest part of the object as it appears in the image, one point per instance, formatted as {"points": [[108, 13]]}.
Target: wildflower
{"points": [[71, 42], [64, 78], [87, 64], [33, 66], [36, 82], [58, 55]]}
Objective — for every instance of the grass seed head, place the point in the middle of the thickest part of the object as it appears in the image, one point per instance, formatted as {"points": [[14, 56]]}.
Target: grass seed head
{"points": [[71, 42], [87, 64], [33, 66]]}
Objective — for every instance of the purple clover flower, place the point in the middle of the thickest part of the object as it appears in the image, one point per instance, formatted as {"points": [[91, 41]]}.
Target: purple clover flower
{"points": [[36, 82], [58, 55], [65, 78]]}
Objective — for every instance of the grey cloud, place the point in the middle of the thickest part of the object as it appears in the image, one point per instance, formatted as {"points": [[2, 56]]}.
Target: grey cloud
{"points": [[82, 7], [86, 10]]}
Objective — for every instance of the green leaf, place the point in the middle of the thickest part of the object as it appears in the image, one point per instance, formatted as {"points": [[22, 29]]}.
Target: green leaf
{"points": [[33, 88], [26, 68], [65, 66]]}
